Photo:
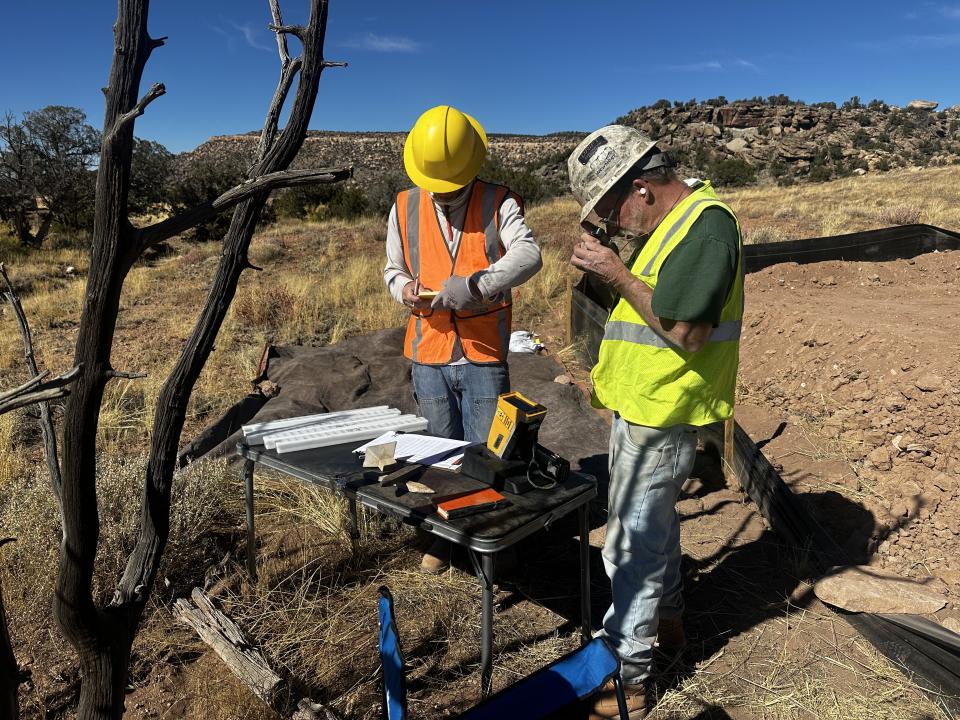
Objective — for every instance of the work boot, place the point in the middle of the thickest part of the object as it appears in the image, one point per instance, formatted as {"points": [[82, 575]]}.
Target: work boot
{"points": [[639, 699], [436, 559], [671, 639]]}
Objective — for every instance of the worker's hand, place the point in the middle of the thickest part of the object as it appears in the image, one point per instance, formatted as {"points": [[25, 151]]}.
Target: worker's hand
{"points": [[411, 299], [457, 294], [600, 261]]}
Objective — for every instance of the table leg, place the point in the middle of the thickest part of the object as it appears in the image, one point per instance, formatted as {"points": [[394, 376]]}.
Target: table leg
{"points": [[486, 623], [251, 531], [585, 624], [354, 527]]}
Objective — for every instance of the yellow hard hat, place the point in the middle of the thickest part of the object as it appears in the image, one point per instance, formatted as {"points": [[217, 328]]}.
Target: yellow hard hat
{"points": [[444, 150]]}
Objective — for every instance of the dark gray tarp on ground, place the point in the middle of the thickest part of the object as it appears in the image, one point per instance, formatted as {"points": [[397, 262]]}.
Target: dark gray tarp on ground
{"points": [[371, 370]]}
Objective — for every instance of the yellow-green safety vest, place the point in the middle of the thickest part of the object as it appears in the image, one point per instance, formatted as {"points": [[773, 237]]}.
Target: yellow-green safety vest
{"points": [[645, 378]]}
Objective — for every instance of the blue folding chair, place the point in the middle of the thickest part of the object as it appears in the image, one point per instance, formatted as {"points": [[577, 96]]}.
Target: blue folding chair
{"points": [[560, 685], [391, 659]]}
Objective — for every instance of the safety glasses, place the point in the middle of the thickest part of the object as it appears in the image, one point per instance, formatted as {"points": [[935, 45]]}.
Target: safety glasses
{"points": [[611, 218]]}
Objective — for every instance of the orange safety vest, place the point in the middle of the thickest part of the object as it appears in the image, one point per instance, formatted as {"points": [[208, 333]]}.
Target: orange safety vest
{"points": [[432, 335]]}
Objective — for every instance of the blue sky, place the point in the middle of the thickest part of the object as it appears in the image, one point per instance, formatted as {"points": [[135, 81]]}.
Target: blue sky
{"points": [[528, 67]]}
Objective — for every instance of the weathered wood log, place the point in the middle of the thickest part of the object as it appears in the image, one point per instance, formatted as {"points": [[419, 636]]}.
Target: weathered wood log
{"points": [[229, 643]]}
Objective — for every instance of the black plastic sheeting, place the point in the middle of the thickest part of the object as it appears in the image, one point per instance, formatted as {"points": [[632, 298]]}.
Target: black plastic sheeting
{"points": [[903, 241], [928, 653]]}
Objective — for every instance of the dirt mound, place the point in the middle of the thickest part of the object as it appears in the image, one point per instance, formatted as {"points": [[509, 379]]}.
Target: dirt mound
{"points": [[863, 357]]}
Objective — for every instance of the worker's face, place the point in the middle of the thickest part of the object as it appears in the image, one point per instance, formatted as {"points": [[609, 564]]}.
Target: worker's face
{"points": [[448, 198], [615, 209]]}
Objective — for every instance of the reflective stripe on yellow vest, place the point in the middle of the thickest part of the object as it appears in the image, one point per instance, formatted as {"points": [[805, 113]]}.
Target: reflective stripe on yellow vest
{"points": [[644, 377], [432, 335]]}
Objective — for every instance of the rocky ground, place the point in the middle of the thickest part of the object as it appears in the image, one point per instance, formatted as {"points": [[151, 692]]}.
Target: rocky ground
{"points": [[860, 361]]}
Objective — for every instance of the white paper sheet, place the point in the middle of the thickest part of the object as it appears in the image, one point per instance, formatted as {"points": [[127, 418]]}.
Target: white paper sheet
{"points": [[422, 449]]}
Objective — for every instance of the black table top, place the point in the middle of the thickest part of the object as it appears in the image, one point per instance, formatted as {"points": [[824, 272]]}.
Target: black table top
{"points": [[338, 469]]}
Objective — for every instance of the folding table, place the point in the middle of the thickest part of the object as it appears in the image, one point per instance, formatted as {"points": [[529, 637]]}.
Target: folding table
{"points": [[337, 469]]}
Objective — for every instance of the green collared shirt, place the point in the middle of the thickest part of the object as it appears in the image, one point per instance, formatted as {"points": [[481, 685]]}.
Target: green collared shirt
{"points": [[697, 276]]}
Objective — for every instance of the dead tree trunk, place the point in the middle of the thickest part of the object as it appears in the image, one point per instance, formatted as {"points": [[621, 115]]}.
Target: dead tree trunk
{"points": [[9, 671], [103, 636]]}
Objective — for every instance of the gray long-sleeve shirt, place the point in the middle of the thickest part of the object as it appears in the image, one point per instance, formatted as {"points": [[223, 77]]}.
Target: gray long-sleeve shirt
{"points": [[520, 261]]}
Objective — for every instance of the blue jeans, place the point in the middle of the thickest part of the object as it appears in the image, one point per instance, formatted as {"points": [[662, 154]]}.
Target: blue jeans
{"points": [[641, 554], [459, 401]]}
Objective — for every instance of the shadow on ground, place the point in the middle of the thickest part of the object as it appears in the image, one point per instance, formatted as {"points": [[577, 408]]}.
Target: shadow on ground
{"points": [[745, 576]]}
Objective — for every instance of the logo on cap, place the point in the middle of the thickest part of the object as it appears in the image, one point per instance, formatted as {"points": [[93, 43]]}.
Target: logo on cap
{"points": [[590, 149]]}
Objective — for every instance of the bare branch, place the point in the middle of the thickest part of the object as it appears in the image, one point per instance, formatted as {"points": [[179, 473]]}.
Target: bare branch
{"points": [[157, 42], [334, 63], [34, 391], [298, 31], [281, 37], [164, 229], [21, 321], [52, 390], [42, 396], [124, 375], [287, 74], [155, 91], [26, 387]]}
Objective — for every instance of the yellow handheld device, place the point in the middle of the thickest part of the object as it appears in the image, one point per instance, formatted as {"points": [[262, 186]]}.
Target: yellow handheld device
{"points": [[513, 432]]}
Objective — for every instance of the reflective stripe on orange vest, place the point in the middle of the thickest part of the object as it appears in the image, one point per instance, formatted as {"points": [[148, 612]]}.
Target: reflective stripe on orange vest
{"points": [[484, 334]]}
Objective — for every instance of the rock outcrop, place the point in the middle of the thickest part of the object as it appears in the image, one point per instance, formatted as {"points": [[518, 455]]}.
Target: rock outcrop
{"points": [[790, 140], [776, 140]]}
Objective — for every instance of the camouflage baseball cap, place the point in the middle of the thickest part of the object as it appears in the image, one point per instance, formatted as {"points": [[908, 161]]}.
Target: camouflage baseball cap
{"points": [[601, 159]]}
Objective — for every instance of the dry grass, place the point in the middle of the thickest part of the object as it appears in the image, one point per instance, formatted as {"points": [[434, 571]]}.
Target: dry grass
{"points": [[852, 204], [815, 673], [201, 503]]}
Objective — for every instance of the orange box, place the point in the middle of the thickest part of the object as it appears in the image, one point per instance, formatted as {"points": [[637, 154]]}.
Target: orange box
{"points": [[468, 503]]}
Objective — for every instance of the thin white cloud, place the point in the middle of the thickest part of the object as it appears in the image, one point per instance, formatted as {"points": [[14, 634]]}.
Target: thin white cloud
{"points": [[951, 11], [746, 64], [383, 43], [913, 42], [252, 36], [707, 65], [945, 40]]}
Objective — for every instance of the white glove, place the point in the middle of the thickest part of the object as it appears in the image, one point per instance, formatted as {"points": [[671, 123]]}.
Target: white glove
{"points": [[458, 293]]}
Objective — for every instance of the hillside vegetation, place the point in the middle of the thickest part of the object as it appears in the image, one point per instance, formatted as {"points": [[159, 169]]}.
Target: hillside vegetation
{"points": [[744, 142]]}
